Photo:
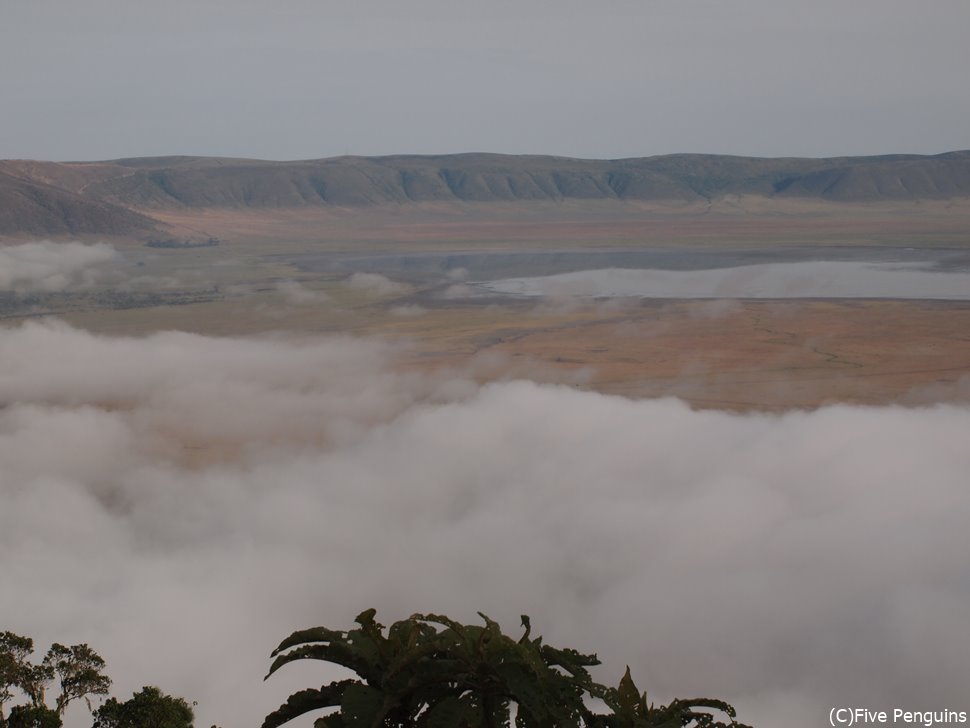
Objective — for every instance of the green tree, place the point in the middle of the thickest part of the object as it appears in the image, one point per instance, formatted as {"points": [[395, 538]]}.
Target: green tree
{"points": [[33, 716], [79, 669], [429, 671], [14, 651], [33, 681], [149, 708]]}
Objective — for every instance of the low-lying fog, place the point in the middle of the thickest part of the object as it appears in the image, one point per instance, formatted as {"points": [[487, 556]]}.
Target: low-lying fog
{"points": [[809, 279], [48, 267], [182, 503]]}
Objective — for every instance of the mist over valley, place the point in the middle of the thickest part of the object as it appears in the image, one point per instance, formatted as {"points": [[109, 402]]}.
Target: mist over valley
{"points": [[347, 430], [648, 320], [190, 500]]}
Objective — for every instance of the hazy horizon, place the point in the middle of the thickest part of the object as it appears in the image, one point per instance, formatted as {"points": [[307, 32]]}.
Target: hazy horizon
{"points": [[471, 153]]}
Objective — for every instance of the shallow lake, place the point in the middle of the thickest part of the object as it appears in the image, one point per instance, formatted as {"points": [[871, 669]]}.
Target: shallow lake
{"points": [[779, 272], [810, 279]]}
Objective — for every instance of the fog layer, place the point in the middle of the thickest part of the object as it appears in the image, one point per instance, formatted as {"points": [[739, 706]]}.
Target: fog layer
{"points": [[48, 267], [182, 503]]}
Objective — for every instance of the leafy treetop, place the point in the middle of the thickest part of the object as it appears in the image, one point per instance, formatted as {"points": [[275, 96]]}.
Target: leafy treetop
{"points": [[429, 671], [148, 708], [78, 669]]}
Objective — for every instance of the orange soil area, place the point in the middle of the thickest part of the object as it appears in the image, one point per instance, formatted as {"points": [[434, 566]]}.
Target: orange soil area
{"points": [[750, 355]]}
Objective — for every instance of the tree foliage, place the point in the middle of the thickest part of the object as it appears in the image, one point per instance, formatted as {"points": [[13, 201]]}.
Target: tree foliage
{"points": [[78, 669], [429, 671], [148, 708], [14, 651], [79, 672], [33, 716]]}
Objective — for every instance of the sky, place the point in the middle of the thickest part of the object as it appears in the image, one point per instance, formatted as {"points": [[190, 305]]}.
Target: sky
{"points": [[300, 79]]}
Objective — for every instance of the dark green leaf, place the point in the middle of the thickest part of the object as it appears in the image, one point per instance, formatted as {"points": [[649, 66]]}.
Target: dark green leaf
{"points": [[361, 705], [306, 700]]}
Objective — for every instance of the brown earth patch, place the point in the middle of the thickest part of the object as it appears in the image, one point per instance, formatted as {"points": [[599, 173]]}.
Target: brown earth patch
{"points": [[744, 355], [587, 224]]}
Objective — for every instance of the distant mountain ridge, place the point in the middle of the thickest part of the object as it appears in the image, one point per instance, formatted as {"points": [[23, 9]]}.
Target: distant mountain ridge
{"points": [[118, 197]]}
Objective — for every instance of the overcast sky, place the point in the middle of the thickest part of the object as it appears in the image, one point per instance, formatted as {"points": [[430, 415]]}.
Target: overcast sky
{"points": [[314, 78]]}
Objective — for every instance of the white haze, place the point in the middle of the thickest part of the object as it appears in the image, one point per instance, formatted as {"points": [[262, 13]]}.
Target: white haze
{"points": [[819, 279], [45, 266], [376, 284], [296, 294], [182, 503]]}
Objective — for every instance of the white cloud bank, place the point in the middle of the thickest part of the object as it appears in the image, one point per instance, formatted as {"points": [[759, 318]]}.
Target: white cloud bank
{"points": [[48, 267], [296, 294], [376, 284], [182, 503]]}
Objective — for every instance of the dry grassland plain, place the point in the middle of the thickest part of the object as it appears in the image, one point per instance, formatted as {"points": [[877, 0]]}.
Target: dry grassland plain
{"points": [[736, 355]]}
